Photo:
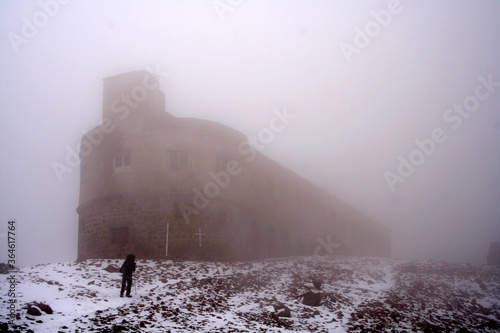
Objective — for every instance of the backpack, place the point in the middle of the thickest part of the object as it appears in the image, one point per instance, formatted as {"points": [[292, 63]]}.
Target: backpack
{"points": [[129, 265]]}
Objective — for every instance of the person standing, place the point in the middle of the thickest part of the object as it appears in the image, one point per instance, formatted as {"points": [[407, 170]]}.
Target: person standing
{"points": [[127, 269]]}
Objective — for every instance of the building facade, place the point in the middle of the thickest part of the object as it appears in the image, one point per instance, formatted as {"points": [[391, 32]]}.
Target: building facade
{"points": [[161, 186]]}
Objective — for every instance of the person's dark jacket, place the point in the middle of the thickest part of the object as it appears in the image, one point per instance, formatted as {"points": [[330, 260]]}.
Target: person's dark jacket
{"points": [[128, 266]]}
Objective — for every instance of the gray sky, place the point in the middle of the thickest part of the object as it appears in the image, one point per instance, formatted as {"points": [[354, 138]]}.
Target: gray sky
{"points": [[233, 62]]}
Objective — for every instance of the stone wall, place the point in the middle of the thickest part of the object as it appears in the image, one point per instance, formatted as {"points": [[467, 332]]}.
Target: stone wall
{"points": [[114, 226]]}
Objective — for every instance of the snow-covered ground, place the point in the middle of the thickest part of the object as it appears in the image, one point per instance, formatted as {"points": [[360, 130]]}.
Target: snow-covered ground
{"points": [[357, 295]]}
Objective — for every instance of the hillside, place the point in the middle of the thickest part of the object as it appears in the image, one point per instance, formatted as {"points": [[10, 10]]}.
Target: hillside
{"points": [[357, 294]]}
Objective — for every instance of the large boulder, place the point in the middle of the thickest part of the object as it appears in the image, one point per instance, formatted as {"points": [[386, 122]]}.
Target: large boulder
{"points": [[45, 308], [316, 283], [311, 299], [34, 311], [36, 308], [112, 269], [493, 257], [282, 310]]}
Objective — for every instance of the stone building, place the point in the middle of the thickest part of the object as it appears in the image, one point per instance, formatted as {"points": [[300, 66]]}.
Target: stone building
{"points": [[161, 186]]}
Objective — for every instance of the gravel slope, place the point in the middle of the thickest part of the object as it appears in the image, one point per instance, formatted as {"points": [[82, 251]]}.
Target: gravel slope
{"points": [[357, 295]]}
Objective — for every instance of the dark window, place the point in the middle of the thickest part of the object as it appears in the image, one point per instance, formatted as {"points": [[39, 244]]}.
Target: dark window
{"points": [[120, 235], [178, 160], [121, 160], [177, 211]]}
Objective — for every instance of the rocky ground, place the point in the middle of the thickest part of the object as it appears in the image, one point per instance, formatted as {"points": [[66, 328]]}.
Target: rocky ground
{"points": [[341, 294]]}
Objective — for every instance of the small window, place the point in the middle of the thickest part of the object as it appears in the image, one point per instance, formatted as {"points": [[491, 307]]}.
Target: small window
{"points": [[83, 174], [178, 160], [177, 212], [121, 161], [120, 235]]}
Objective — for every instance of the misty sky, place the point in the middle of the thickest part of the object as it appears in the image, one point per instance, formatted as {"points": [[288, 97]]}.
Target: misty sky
{"points": [[233, 62]]}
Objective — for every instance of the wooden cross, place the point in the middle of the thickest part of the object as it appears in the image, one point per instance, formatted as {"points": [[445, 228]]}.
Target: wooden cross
{"points": [[199, 234]]}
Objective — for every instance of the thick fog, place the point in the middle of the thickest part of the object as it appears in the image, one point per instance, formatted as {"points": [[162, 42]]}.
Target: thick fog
{"points": [[396, 104]]}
